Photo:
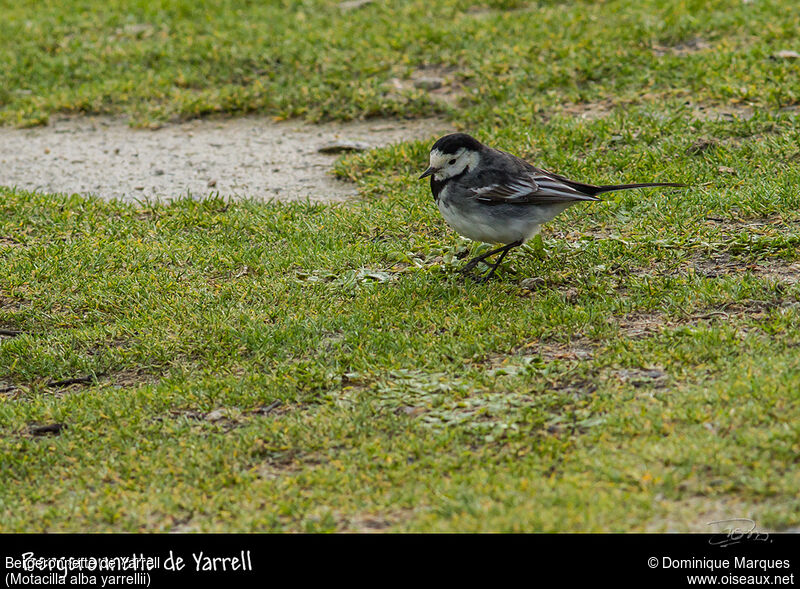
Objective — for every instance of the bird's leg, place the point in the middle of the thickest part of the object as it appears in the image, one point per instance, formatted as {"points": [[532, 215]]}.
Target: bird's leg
{"points": [[496, 265], [478, 259]]}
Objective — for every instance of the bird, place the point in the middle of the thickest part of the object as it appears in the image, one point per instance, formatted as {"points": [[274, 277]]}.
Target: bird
{"points": [[494, 197]]}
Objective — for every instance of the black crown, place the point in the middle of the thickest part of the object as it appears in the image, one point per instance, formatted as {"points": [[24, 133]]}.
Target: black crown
{"points": [[455, 141]]}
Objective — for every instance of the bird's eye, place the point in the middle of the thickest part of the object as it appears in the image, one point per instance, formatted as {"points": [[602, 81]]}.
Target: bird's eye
{"points": [[452, 161]]}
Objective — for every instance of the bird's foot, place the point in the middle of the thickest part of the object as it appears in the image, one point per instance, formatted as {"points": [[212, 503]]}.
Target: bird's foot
{"points": [[470, 266], [486, 277], [482, 258]]}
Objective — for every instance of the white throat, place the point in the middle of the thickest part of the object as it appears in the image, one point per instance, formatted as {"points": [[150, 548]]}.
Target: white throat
{"points": [[464, 159]]}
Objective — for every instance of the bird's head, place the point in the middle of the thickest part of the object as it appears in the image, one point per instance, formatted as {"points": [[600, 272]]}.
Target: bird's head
{"points": [[452, 155]]}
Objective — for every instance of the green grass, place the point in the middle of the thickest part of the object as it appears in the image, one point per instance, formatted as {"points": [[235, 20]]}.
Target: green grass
{"points": [[176, 59], [646, 379]]}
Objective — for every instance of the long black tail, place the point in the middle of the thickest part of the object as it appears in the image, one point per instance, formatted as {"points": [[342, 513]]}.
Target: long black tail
{"points": [[591, 189], [613, 187]]}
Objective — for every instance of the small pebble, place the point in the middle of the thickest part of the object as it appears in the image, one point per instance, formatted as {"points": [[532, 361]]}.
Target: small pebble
{"points": [[342, 146], [215, 415], [786, 54], [353, 4], [428, 83]]}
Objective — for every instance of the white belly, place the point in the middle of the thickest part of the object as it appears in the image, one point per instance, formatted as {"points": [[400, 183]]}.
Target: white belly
{"points": [[489, 225]]}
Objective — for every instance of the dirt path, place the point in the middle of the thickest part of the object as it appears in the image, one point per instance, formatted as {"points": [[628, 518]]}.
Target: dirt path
{"points": [[252, 157]]}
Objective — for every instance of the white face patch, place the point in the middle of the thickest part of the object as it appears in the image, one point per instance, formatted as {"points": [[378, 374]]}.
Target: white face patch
{"points": [[452, 164]]}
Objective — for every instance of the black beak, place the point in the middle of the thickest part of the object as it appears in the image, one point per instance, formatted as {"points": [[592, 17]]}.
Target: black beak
{"points": [[428, 172]]}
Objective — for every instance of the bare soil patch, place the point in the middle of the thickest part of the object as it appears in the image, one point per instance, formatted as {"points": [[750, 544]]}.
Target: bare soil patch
{"points": [[688, 47], [245, 157], [590, 111], [721, 112], [723, 265], [227, 418], [128, 378], [640, 324], [441, 83], [372, 523]]}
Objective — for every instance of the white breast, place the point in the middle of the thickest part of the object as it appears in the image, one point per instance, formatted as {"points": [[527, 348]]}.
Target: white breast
{"points": [[482, 225], [496, 223]]}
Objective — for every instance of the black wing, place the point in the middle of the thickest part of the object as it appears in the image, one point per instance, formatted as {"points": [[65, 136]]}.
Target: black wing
{"points": [[530, 187]]}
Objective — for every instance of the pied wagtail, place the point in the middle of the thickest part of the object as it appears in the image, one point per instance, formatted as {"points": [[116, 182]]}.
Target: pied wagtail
{"points": [[492, 196]]}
